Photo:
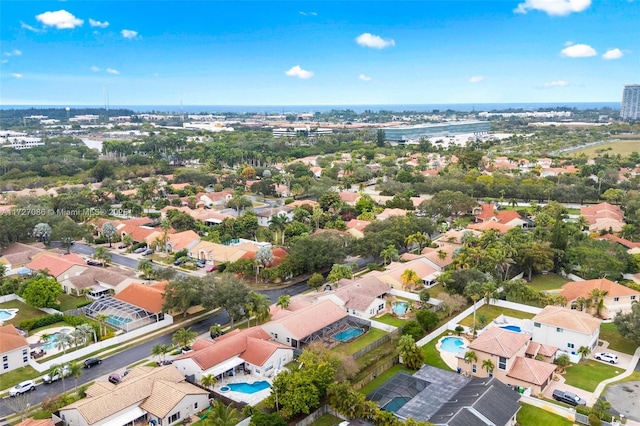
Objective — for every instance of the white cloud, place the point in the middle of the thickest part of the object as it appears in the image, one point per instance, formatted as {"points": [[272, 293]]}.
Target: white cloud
{"points": [[476, 79], [613, 54], [112, 71], [14, 52], [299, 72], [578, 51], [554, 7], [95, 23], [4, 61], [16, 75], [555, 83], [129, 34], [374, 41], [95, 69], [61, 19], [29, 27], [308, 13], [364, 77]]}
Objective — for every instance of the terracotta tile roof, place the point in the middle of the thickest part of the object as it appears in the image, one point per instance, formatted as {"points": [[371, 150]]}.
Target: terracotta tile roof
{"points": [[575, 289], [387, 213], [181, 240], [349, 197], [358, 294], [488, 211], [557, 316], [165, 395], [531, 370], [358, 224], [300, 203], [500, 342], [485, 226], [10, 339], [455, 236], [56, 265], [139, 233], [95, 275], [594, 209], [506, 216], [433, 254], [134, 390], [148, 297], [623, 242], [310, 319], [536, 348], [34, 422], [394, 271]]}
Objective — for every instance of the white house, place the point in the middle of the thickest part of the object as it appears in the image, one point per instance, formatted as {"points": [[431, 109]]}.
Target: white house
{"points": [[264, 217], [250, 351], [566, 329], [158, 395], [362, 298], [14, 349]]}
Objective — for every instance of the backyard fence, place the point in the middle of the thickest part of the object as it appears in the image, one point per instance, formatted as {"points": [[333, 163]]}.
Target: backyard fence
{"points": [[325, 409], [371, 346], [381, 368]]}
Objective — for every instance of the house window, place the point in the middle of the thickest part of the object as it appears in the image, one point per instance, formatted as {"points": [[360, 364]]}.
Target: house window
{"points": [[195, 405], [381, 307], [25, 359], [5, 358], [536, 324], [633, 297], [616, 299], [474, 368], [502, 363], [5, 366], [571, 345], [559, 330], [275, 335], [174, 417]]}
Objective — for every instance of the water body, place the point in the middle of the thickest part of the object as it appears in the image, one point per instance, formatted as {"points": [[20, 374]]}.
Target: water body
{"points": [[283, 109]]}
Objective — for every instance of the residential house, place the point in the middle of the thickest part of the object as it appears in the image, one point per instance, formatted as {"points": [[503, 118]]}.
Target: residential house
{"points": [[632, 247], [616, 298], [14, 349], [439, 257], [566, 329], [154, 395], [96, 281], [355, 227], [490, 225], [362, 298], [141, 234], [444, 398], [389, 213], [250, 350], [34, 422], [313, 321], [393, 273], [264, 217], [215, 199], [60, 267], [603, 217], [349, 198], [457, 236], [215, 253], [506, 350], [17, 255], [182, 240]]}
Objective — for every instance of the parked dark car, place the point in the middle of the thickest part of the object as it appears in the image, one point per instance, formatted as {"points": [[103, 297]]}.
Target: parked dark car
{"points": [[147, 252], [179, 261], [115, 378], [568, 398], [90, 362], [91, 262], [139, 250]]}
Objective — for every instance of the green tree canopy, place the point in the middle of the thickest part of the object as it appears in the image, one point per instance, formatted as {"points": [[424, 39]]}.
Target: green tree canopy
{"points": [[42, 292]]}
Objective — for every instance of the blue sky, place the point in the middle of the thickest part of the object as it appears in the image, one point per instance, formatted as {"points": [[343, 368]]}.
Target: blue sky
{"points": [[317, 53]]}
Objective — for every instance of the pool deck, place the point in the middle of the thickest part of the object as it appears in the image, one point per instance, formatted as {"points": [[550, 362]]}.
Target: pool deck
{"points": [[35, 338], [249, 398], [448, 357]]}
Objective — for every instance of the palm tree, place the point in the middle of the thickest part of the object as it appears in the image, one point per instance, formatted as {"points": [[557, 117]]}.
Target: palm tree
{"points": [[418, 238], [581, 302], [584, 352], [389, 254], [260, 306], [215, 330], [222, 415], [165, 225], [77, 337], [184, 337], [208, 381], [63, 341], [598, 299], [58, 370], [470, 357], [284, 301], [563, 361], [127, 240], [409, 278], [102, 321], [278, 223], [102, 255], [87, 332], [487, 364], [601, 407], [75, 370]]}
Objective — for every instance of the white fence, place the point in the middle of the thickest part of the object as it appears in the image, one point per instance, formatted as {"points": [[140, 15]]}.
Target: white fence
{"points": [[102, 345], [10, 297], [567, 413], [382, 326]]}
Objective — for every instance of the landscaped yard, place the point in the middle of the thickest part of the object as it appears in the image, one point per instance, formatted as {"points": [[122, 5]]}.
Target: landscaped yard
{"points": [[354, 346], [588, 374], [14, 377], [534, 416], [610, 333], [492, 312], [375, 383], [432, 356], [391, 320], [549, 281], [68, 302], [25, 311], [327, 420]]}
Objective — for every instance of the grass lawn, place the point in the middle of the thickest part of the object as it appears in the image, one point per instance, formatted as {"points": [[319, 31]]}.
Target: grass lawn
{"points": [[547, 282], [391, 320], [623, 148], [327, 420], [588, 374], [533, 416], [492, 312], [25, 311], [435, 290], [14, 377], [68, 302], [375, 383], [354, 346], [432, 356], [610, 333]]}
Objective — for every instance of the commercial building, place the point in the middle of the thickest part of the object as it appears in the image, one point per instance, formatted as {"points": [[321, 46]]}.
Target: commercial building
{"points": [[630, 108], [406, 133]]}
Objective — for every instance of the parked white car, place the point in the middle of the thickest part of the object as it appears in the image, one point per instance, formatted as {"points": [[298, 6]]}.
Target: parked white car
{"points": [[60, 373], [606, 357], [22, 387]]}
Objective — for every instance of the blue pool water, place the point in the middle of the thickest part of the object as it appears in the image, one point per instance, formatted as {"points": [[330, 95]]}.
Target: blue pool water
{"points": [[451, 344], [400, 308], [117, 321], [4, 315], [348, 334], [512, 328], [396, 403], [249, 387], [52, 340]]}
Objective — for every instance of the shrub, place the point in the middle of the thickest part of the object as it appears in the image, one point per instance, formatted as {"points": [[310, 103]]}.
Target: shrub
{"points": [[413, 329], [427, 319], [100, 240], [42, 321], [288, 201], [594, 420]]}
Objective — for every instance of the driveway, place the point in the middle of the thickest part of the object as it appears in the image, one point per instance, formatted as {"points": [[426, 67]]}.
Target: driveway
{"points": [[624, 360], [560, 384]]}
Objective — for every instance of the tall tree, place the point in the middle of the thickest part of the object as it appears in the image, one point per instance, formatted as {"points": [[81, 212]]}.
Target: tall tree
{"points": [[184, 337], [230, 293], [42, 231], [103, 255], [109, 231], [182, 293], [42, 292], [628, 324]]}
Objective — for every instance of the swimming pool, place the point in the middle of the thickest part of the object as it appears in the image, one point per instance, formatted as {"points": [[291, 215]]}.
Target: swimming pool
{"points": [[452, 344], [52, 339], [7, 314], [348, 334], [248, 387], [117, 321], [400, 308], [512, 328], [396, 403]]}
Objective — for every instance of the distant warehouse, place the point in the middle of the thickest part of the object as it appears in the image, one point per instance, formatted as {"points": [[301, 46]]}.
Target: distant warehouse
{"points": [[406, 133]]}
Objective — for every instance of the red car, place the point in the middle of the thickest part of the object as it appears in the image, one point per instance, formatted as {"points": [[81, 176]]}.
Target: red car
{"points": [[212, 268]]}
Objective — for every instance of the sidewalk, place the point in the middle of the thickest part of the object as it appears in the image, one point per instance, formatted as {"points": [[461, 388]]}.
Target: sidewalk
{"points": [[630, 370]]}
